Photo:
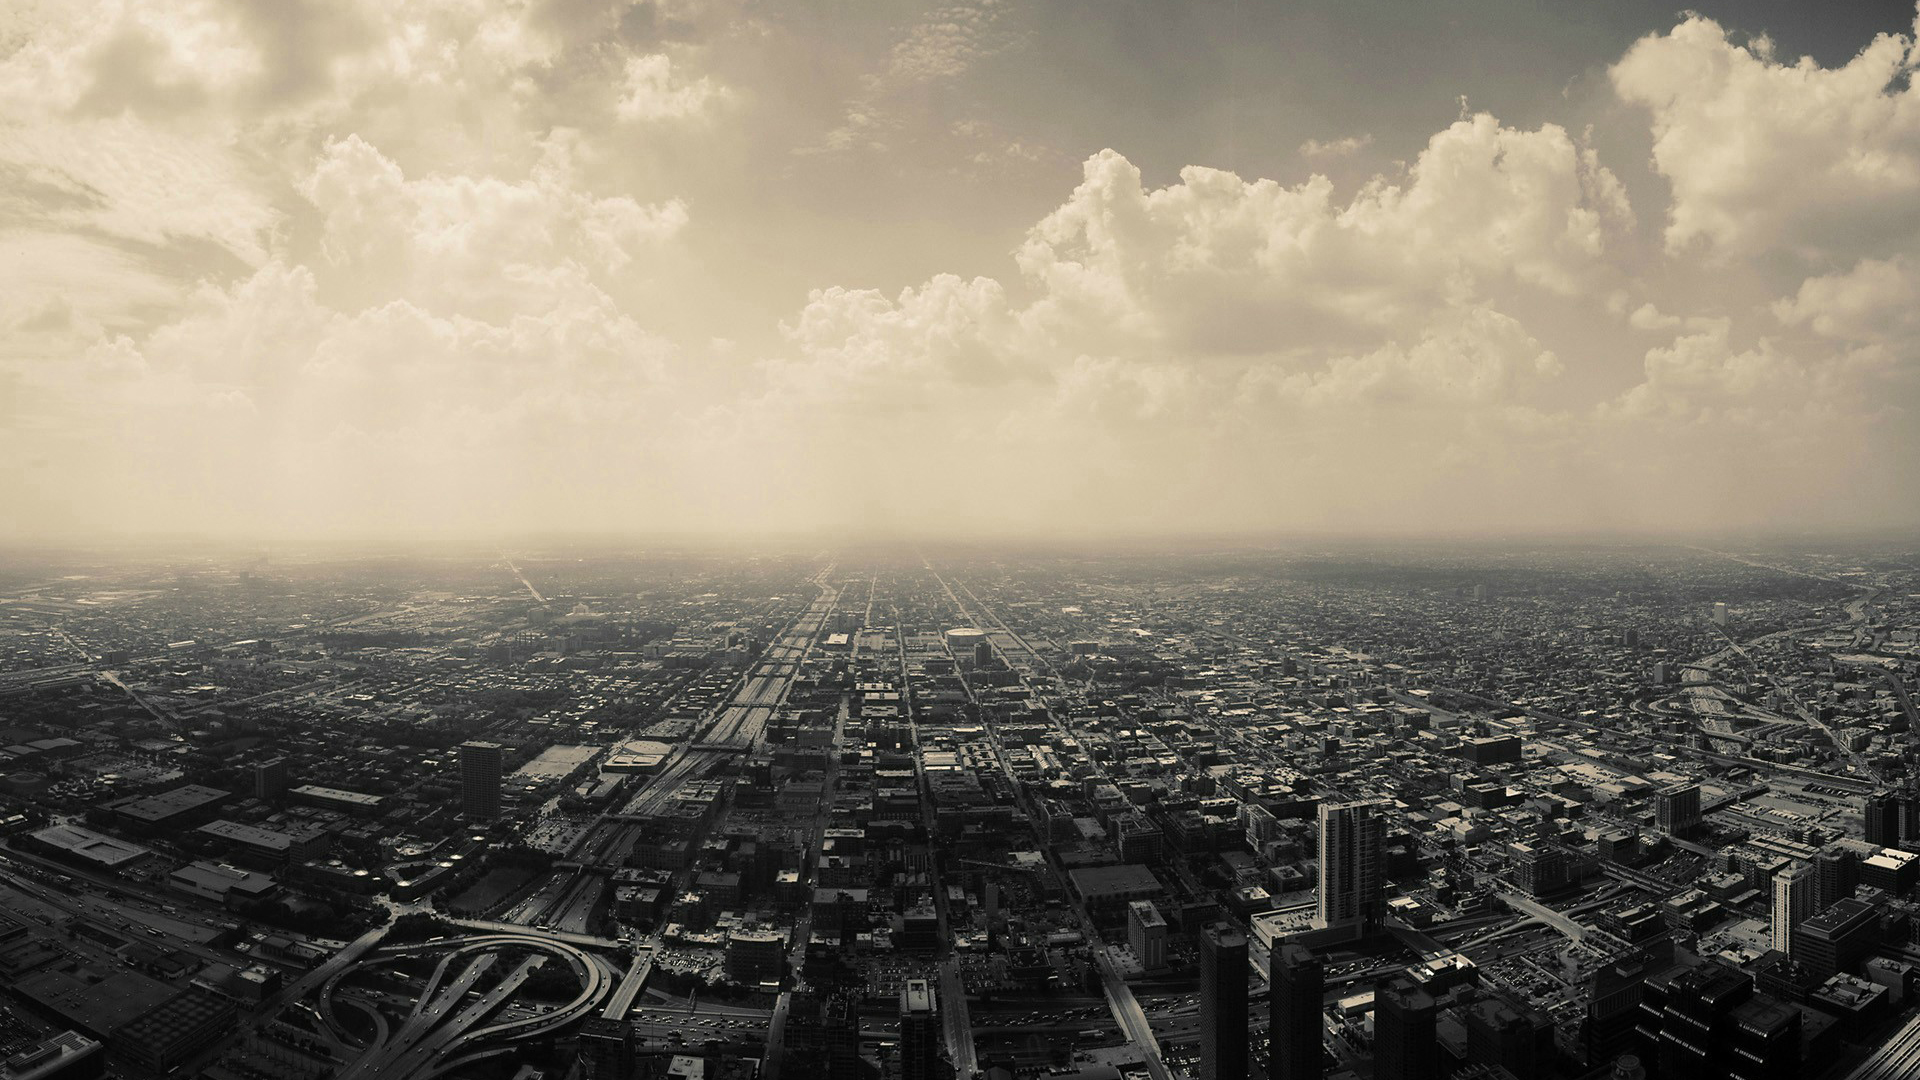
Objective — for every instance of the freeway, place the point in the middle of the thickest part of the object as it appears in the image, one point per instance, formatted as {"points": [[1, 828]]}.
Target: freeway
{"points": [[427, 1013], [438, 1028]]}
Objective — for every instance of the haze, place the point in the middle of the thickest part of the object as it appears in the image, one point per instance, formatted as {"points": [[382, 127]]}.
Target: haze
{"points": [[367, 268]]}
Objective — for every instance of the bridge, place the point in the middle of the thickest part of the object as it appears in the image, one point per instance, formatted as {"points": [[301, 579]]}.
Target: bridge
{"points": [[446, 1027]]}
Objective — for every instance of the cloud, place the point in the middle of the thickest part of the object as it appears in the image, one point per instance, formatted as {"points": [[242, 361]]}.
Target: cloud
{"points": [[909, 94], [474, 244], [476, 266], [1217, 264], [1877, 301], [1768, 156], [1315, 150], [651, 92]]}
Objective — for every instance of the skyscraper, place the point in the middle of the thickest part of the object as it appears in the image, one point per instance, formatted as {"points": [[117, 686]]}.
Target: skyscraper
{"points": [[480, 780], [919, 1031], [1405, 1032], [1883, 819], [1351, 838], [1837, 873], [1223, 1003], [1295, 1026], [1795, 894]]}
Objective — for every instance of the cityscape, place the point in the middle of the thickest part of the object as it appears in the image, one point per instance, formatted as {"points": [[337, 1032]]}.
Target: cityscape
{"points": [[1427, 810], [959, 540]]}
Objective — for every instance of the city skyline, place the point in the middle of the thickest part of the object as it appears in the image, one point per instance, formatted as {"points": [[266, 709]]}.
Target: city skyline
{"points": [[346, 271]]}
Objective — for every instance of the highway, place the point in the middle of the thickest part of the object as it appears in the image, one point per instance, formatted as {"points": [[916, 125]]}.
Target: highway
{"points": [[438, 1028]]}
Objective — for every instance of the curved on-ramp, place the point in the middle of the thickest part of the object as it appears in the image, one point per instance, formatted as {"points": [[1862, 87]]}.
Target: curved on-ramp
{"points": [[594, 985]]}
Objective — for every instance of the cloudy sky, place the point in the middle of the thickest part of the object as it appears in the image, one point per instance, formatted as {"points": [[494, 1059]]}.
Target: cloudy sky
{"points": [[1065, 266]]}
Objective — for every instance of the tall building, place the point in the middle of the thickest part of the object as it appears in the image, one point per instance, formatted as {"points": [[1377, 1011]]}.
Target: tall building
{"points": [[480, 780], [919, 1031], [1352, 836], [1405, 1032], [1720, 613], [1223, 1003], [1883, 813], [1516, 1039], [1676, 809], [1795, 896], [1539, 868], [1295, 1025], [1147, 934], [1613, 1006], [1706, 1023], [1837, 873], [270, 779], [1837, 939]]}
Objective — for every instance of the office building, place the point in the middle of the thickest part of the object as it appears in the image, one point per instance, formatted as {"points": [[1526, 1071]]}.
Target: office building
{"points": [[270, 779], [756, 956], [1882, 816], [840, 1024], [1795, 897], [480, 780], [1501, 1034], [1837, 939], [1706, 1023], [1405, 1032], [1352, 836], [1223, 1003], [1836, 875], [1147, 934], [1539, 868], [1295, 1013], [919, 1031], [1614, 993], [1676, 809]]}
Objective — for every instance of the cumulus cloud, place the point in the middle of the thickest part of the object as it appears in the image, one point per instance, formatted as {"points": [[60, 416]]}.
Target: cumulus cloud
{"points": [[473, 244], [432, 269], [1766, 155], [651, 91]]}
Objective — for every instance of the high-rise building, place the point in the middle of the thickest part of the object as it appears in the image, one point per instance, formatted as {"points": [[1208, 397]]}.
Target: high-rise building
{"points": [[1147, 934], [480, 780], [1613, 1006], [1720, 613], [1837, 939], [1539, 868], [1883, 819], [840, 1020], [1223, 1003], [1706, 1023], [1837, 874], [1676, 809], [1296, 1025], [1352, 839], [1519, 1040], [1795, 896], [1405, 1032], [919, 1031], [270, 779]]}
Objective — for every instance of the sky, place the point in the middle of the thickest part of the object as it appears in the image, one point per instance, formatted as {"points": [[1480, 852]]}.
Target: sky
{"points": [[996, 267]]}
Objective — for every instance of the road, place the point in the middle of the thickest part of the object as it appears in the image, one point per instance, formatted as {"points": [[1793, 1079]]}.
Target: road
{"points": [[1125, 1007]]}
